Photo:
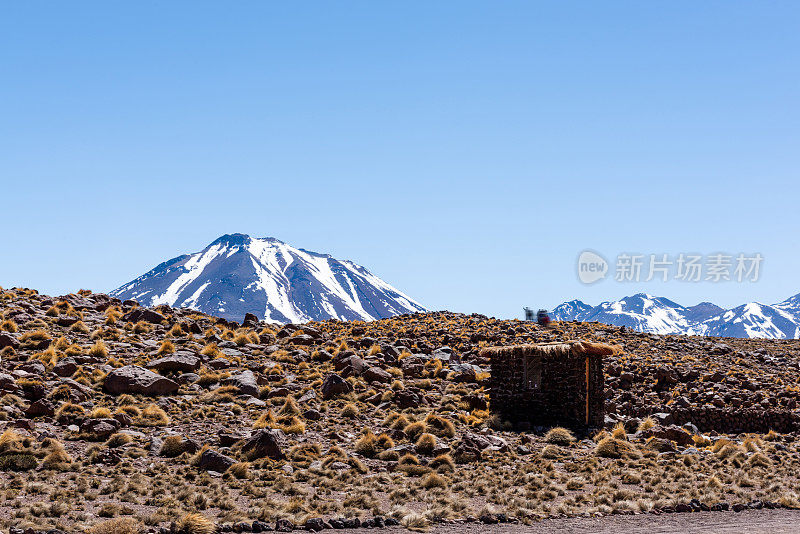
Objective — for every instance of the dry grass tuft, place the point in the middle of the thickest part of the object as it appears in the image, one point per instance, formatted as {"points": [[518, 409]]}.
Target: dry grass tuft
{"points": [[559, 436], [99, 349], [120, 525], [195, 524], [153, 415]]}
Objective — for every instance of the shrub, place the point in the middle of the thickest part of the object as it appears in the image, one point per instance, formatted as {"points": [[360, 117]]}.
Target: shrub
{"points": [[195, 524], [350, 411], [291, 425], [211, 350], [100, 413], [239, 470], [10, 441], [121, 525], [290, 407], [118, 440], [443, 463], [701, 441], [133, 411], [559, 436], [80, 327], [414, 430], [759, 460], [266, 420], [425, 444], [610, 447], [152, 415], [367, 444], [399, 423], [18, 462], [551, 452], [414, 521], [242, 338], [99, 349], [432, 480], [173, 446], [384, 441], [141, 327], [57, 459], [34, 335], [440, 426], [646, 424]]}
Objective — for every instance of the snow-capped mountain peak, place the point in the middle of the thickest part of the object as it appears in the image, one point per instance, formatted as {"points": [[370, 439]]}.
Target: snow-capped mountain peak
{"points": [[646, 313], [236, 274]]}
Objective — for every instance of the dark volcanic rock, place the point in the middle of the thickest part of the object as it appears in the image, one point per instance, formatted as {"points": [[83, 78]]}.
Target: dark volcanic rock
{"points": [[265, 443], [143, 314], [135, 379], [334, 385], [65, 367], [212, 460], [182, 362], [7, 340], [245, 382], [376, 374]]}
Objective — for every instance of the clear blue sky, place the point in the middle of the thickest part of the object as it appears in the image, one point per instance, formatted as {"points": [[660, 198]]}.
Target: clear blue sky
{"points": [[465, 152]]}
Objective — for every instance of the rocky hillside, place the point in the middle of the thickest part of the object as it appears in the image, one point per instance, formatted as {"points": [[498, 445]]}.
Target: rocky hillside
{"points": [[659, 315], [124, 419], [239, 274]]}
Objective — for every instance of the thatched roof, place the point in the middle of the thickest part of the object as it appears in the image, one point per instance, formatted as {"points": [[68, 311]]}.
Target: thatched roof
{"points": [[563, 349]]}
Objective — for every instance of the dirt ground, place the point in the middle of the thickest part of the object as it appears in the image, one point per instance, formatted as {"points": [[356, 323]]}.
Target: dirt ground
{"points": [[746, 522]]}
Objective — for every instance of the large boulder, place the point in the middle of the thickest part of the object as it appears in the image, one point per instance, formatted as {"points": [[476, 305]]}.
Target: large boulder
{"points": [[376, 374], [7, 382], [143, 314], [66, 367], [265, 443], [334, 385], [412, 366], [670, 433], [135, 379], [245, 382], [212, 460], [408, 398], [99, 429], [181, 361], [7, 340], [250, 320]]}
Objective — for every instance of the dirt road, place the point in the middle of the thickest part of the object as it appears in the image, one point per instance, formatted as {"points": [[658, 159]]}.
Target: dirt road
{"points": [[747, 522]]}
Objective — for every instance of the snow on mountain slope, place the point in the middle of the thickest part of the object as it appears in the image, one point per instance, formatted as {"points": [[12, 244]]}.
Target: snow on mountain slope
{"points": [[237, 274], [643, 312], [754, 320], [790, 305], [574, 310], [647, 313]]}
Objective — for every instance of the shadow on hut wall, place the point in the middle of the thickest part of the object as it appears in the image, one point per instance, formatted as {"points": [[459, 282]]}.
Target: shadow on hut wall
{"points": [[549, 384]]}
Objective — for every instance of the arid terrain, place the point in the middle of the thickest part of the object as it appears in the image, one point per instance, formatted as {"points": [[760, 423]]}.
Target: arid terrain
{"points": [[122, 419]]}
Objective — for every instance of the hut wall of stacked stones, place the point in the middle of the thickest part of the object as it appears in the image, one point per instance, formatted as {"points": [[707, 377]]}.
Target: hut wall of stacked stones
{"points": [[728, 420], [553, 384]]}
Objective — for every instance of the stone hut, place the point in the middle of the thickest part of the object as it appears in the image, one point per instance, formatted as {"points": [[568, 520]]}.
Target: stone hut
{"points": [[549, 384]]}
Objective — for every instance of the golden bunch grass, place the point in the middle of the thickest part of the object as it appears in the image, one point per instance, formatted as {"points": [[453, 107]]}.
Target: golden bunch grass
{"points": [[153, 415], [119, 525], [559, 436], [194, 523]]}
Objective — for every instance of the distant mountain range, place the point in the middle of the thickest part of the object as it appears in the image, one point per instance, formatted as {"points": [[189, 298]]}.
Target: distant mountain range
{"points": [[659, 315], [237, 274]]}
